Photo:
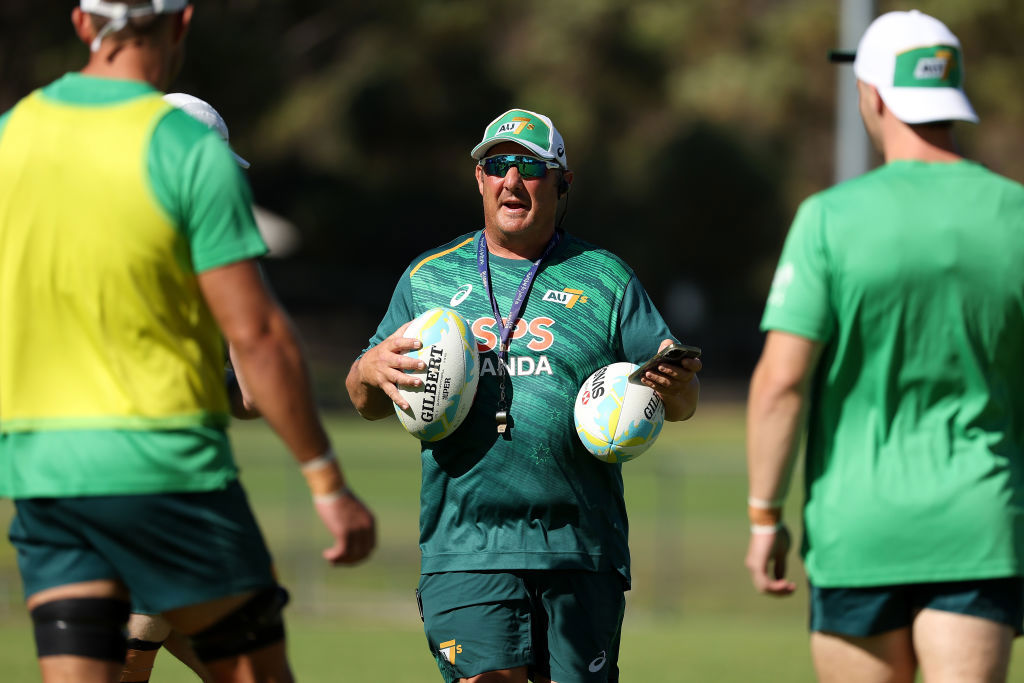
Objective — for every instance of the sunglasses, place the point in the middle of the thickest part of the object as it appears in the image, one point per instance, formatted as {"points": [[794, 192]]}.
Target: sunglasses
{"points": [[528, 167]]}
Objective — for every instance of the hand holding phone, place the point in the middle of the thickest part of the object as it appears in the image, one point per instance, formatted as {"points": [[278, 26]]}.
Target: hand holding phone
{"points": [[673, 353]]}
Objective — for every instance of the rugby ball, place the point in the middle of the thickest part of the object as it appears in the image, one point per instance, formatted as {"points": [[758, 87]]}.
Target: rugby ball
{"points": [[616, 419], [439, 405]]}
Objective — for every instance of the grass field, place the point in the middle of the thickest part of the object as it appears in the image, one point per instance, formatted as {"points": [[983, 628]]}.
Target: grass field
{"points": [[691, 616]]}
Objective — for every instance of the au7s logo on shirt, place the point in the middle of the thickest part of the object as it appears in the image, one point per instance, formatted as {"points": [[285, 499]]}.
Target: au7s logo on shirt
{"points": [[567, 297]]}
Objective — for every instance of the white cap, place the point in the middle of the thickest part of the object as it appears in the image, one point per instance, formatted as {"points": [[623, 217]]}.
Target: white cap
{"points": [[533, 131], [916, 63], [203, 112], [119, 13]]}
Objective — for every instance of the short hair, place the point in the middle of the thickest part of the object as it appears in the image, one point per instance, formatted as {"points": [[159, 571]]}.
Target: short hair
{"points": [[933, 125], [138, 27]]}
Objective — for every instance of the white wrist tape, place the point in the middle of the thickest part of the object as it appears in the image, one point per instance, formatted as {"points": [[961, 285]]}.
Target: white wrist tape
{"points": [[763, 504], [319, 462], [758, 529], [332, 496]]}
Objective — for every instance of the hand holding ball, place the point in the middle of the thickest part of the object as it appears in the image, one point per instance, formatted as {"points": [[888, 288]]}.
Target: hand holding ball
{"points": [[439, 405], [616, 419]]}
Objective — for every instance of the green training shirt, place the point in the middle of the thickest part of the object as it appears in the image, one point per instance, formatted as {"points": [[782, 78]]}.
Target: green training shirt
{"points": [[538, 500], [111, 366], [912, 276]]}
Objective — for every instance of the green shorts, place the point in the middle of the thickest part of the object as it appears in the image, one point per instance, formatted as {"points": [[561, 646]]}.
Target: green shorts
{"points": [[869, 611], [564, 625], [171, 549]]}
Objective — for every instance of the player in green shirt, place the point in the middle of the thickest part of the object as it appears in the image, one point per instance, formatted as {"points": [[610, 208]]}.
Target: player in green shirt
{"points": [[126, 252], [895, 323], [523, 534]]}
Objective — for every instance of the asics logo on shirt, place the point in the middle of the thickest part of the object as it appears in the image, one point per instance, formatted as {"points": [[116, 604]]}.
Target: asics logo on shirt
{"points": [[460, 296], [598, 662]]}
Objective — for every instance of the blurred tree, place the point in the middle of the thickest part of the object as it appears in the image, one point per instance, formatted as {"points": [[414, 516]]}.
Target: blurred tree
{"points": [[695, 129]]}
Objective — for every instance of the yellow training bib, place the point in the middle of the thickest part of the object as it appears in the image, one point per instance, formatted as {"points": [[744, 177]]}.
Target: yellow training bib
{"points": [[102, 324]]}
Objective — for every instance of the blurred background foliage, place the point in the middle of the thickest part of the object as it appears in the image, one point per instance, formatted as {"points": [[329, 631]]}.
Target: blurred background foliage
{"points": [[695, 128]]}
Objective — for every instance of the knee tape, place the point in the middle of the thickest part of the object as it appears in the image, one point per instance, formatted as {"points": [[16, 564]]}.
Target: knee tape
{"points": [[143, 645], [255, 624], [84, 627]]}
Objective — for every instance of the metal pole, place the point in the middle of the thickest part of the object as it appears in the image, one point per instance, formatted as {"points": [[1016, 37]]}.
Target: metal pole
{"points": [[853, 148]]}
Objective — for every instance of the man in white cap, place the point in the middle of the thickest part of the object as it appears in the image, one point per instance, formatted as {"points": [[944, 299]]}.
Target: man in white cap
{"points": [[204, 112], [127, 249], [523, 532], [895, 325]]}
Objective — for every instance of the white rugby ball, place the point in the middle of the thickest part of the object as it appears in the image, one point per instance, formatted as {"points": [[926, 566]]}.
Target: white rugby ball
{"points": [[439, 405], [617, 420]]}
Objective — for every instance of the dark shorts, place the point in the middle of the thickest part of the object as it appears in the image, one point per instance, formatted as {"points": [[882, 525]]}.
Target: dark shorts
{"points": [[869, 611], [563, 624], [171, 549]]}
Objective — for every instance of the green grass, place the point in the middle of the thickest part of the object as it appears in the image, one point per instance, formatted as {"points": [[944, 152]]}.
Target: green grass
{"points": [[691, 616]]}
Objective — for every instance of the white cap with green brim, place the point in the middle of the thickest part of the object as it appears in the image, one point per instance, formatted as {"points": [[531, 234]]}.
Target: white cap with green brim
{"points": [[533, 131], [915, 62], [119, 13], [204, 112]]}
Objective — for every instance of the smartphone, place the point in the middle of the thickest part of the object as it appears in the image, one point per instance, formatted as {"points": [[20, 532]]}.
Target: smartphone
{"points": [[670, 354]]}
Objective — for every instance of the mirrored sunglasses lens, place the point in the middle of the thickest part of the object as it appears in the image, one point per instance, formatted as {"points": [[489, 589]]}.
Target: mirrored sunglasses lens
{"points": [[531, 168], [497, 166], [528, 167]]}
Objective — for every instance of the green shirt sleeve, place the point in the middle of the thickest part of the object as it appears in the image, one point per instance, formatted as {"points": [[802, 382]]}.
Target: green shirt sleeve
{"points": [[641, 327], [400, 311], [798, 302], [197, 180]]}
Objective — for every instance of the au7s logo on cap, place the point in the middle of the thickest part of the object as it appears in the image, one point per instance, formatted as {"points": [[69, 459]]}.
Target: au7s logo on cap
{"points": [[937, 66], [515, 126]]}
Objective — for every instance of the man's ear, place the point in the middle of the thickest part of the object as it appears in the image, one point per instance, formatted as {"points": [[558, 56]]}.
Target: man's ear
{"points": [[564, 184], [83, 25], [182, 24], [877, 104], [479, 178]]}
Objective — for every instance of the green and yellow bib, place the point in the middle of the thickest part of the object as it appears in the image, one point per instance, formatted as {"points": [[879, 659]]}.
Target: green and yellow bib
{"points": [[111, 365], [88, 263]]}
